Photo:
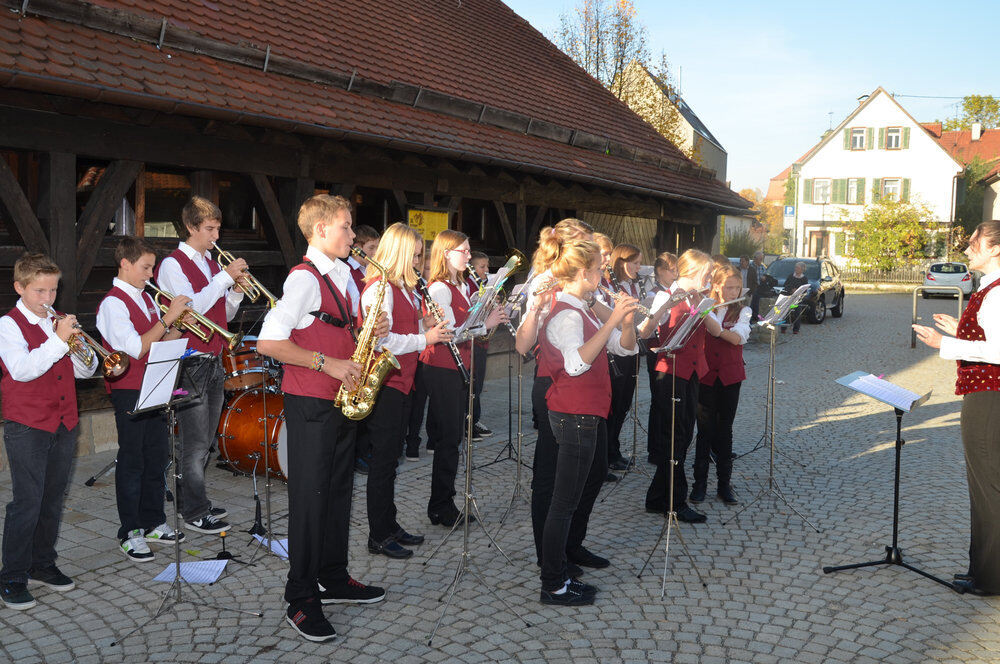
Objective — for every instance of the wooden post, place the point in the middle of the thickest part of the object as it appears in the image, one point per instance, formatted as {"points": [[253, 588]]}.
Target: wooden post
{"points": [[281, 231], [204, 183], [291, 195], [20, 211], [57, 214], [508, 232], [93, 223]]}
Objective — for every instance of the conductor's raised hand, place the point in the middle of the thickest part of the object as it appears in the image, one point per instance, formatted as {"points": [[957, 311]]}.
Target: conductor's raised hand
{"points": [[928, 335], [947, 324]]}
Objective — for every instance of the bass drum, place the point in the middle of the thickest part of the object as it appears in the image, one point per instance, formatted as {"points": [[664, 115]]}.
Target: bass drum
{"points": [[242, 433]]}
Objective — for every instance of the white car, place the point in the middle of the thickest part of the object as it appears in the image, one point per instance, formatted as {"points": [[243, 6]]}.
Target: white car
{"points": [[947, 274]]}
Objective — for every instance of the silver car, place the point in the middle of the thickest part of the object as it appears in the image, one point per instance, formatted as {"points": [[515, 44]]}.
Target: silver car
{"points": [[947, 274]]}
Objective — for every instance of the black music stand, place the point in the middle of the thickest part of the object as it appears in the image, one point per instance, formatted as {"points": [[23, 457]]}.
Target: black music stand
{"points": [[155, 397], [902, 401]]}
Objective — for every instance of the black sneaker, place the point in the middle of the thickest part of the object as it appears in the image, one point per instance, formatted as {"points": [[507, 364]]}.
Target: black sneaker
{"points": [[413, 454], [689, 515], [585, 558], [218, 512], [208, 524], [351, 592], [306, 617], [697, 492], [573, 595], [52, 578], [16, 596], [583, 588], [481, 430]]}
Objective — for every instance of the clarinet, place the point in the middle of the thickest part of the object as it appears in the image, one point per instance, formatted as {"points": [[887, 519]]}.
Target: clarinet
{"points": [[435, 311]]}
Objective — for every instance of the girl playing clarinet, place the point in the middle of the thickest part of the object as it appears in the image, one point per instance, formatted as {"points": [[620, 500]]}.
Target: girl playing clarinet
{"points": [[623, 270]]}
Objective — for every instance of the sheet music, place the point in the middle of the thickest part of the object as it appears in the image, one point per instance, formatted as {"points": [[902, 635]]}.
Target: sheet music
{"points": [[161, 372], [203, 571], [884, 391], [278, 547], [783, 304]]}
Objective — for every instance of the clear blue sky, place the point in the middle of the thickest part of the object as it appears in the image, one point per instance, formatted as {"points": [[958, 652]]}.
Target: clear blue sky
{"points": [[765, 76]]}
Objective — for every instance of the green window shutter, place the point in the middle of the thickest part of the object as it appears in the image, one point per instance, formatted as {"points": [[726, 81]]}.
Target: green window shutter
{"points": [[869, 138], [840, 191], [876, 190], [881, 138], [807, 191], [906, 138], [847, 138], [840, 244], [861, 191], [905, 195]]}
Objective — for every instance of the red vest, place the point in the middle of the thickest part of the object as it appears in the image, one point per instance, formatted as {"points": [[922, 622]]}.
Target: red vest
{"points": [[334, 342], [975, 376], [217, 312], [143, 322], [405, 320], [586, 394], [47, 401], [358, 277], [724, 360], [542, 367], [439, 356], [690, 359]]}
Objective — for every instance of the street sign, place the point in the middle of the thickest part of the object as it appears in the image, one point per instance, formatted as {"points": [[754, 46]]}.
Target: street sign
{"points": [[789, 210]]}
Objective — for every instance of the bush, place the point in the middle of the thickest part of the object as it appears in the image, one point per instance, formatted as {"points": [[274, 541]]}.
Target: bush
{"points": [[738, 243]]}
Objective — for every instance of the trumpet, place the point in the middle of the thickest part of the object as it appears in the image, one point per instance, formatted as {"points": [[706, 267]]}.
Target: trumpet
{"points": [[617, 296], [197, 324], [84, 347], [250, 284]]}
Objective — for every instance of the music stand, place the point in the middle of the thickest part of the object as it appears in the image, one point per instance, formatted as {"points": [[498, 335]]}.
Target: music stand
{"points": [[782, 306], [681, 335], [901, 400], [159, 393]]}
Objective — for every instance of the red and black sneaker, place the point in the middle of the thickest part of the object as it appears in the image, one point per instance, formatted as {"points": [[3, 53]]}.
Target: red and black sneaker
{"points": [[350, 592], [306, 617]]}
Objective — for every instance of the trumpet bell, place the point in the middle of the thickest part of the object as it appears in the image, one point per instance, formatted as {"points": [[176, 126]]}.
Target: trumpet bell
{"points": [[115, 364]]}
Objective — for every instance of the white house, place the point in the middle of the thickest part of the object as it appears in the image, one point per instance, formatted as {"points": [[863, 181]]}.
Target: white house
{"points": [[878, 151]]}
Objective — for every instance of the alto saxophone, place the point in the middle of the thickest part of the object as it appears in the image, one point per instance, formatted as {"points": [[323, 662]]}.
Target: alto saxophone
{"points": [[356, 404]]}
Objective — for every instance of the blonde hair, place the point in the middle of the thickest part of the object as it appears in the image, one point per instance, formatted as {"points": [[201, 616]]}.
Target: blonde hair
{"points": [[692, 262], [446, 240], [30, 266], [722, 274], [395, 254], [604, 242], [551, 238], [574, 256], [622, 254], [321, 208]]}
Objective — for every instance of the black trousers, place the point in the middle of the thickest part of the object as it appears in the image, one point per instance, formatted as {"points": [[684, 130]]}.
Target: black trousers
{"points": [[577, 437], [447, 405], [479, 355], [653, 421], [622, 390], [320, 485], [687, 404], [142, 458], [717, 404], [543, 477], [415, 410], [981, 441], [386, 428]]}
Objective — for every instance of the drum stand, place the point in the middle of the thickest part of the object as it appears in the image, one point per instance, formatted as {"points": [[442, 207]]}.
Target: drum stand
{"points": [[465, 563], [671, 517], [266, 534]]}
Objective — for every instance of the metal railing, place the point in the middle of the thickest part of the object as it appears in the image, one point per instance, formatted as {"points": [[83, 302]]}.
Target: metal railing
{"points": [[919, 289]]}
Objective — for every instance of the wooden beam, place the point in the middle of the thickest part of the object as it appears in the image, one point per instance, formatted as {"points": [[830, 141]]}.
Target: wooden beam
{"points": [[399, 196], [92, 224], [20, 211], [292, 193], [57, 211], [206, 185], [521, 225], [345, 189], [508, 232], [536, 223], [278, 223]]}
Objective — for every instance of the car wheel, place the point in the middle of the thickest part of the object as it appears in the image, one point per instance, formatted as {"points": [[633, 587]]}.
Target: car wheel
{"points": [[817, 312], [838, 310], [926, 295]]}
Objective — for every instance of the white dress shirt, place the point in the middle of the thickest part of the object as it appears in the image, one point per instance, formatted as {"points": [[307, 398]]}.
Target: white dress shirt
{"points": [[529, 288], [565, 332], [25, 365], [302, 294], [660, 299], [352, 288], [742, 325], [989, 319], [397, 344], [173, 280], [115, 323]]}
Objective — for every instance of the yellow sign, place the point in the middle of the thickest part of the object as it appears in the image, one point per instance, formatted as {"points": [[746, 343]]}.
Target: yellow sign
{"points": [[428, 222]]}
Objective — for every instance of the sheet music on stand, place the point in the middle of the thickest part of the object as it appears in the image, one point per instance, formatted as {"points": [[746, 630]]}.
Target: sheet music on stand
{"points": [[687, 327], [783, 305], [159, 381], [882, 390]]}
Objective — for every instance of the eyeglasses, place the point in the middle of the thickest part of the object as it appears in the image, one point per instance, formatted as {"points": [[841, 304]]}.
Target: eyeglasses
{"points": [[467, 252]]}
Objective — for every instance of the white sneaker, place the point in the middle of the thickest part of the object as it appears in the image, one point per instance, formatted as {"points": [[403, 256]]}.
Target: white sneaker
{"points": [[135, 547], [163, 533]]}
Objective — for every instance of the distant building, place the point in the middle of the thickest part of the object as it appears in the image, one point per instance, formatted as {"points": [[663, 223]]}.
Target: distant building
{"points": [[971, 144]]}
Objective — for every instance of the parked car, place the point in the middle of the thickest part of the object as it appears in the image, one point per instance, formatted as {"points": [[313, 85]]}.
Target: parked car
{"points": [[826, 292], [948, 274]]}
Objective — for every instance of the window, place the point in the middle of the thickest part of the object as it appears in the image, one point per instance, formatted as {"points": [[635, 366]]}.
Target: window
{"points": [[821, 191], [891, 188], [893, 138], [852, 191], [858, 138]]}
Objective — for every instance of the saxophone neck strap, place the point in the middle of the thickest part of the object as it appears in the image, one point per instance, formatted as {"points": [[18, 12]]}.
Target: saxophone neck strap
{"points": [[346, 320]]}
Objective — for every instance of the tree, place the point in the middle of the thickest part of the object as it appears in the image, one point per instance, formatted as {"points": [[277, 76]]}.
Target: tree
{"points": [[975, 108], [603, 37], [969, 212], [770, 218], [891, 234], [649, 91]]}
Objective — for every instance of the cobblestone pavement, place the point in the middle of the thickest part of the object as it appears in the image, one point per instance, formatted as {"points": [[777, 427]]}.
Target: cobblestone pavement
{"points": [[766, 600]]}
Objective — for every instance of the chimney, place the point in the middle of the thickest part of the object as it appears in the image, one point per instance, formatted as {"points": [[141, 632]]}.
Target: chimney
{"points": [[977, 131], [862, 99]]}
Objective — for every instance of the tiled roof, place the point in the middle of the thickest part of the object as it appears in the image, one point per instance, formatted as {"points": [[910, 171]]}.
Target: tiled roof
{"points": [[477, 50], [960, 145]]}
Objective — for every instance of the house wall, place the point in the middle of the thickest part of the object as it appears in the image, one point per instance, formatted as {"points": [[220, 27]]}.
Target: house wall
{"points": [[706, 153], [991, 201]]}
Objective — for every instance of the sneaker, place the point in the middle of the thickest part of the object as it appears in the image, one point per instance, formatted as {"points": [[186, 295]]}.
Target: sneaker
{"points": [[52, 578], [351, 592], [218, 512], [306, 617], [582, 588], [208, 524], [480, 430], [163, 533], [135, 548], [16, 596], [573, 595], [412, 455]]}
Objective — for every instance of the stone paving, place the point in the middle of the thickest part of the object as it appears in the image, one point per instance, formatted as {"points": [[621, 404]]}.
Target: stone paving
{"points": [[766, 600]]}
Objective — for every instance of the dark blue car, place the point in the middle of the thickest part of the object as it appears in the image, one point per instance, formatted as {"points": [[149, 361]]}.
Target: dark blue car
{"points": [[826, 290]]}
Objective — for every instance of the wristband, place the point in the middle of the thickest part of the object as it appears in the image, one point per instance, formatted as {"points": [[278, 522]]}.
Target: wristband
{"points": [[166, 328], [318, 361]]}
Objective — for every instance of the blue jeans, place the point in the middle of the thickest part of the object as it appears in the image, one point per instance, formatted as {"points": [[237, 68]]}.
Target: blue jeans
{"points": [[578, 437], [198, 421], [40, 467]]}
